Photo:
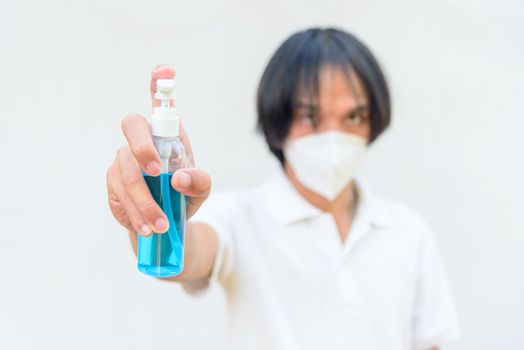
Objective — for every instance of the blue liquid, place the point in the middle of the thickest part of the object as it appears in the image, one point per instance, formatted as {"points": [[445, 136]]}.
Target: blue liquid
{"points": [[162, 255]]}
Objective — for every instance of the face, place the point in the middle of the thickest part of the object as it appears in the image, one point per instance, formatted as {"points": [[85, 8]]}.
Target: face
{"points": [[341, 106]]}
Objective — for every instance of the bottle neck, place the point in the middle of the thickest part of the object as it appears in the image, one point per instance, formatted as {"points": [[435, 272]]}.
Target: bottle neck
{"points": [[169, 149], [165, 138]]}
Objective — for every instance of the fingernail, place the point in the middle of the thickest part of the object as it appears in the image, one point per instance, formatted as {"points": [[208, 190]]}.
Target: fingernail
{"points": [[182, 179], [153, 167], [145, 230], [161, 66], [165, 69], [160, 225]]}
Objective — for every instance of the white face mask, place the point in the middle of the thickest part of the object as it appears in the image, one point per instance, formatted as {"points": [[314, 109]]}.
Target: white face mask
{"points": [[325, 162]]}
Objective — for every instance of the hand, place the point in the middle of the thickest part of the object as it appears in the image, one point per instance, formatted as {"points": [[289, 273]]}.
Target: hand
{"points": [[129, 198]]}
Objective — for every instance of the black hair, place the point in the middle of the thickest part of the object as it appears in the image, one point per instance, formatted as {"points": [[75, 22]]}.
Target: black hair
{"points": [[295, 67]]}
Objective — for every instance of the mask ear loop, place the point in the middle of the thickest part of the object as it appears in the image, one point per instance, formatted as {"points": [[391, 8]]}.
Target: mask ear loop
{"points": [[355, 194], [355, 199]]}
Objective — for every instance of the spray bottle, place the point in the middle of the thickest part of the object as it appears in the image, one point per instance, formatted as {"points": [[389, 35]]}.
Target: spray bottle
{"points": [[162, 254]]}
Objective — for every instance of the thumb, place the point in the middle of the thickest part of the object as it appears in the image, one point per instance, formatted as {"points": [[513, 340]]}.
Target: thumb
{"points": [[194, 183]]}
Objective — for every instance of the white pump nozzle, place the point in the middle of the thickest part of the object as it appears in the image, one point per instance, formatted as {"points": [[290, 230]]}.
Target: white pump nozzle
{"points": [[164, 122], [165, 89]]}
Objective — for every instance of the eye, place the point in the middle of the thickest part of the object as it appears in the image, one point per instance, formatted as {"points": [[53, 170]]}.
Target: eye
{"points": [[355, 118], [308, 117], [358, 117]]}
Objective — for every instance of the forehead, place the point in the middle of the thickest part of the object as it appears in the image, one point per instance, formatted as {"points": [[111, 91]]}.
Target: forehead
{"points": [[335, 87]]}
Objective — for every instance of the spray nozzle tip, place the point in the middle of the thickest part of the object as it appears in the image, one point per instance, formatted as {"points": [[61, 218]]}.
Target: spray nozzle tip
{"points": [[165, 89]]}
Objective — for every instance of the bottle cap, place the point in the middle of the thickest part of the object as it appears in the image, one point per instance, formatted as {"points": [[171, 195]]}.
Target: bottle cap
{"points": [[164, 122]]}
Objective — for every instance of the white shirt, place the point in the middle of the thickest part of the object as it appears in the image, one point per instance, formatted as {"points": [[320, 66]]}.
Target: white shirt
{"points": [[291, 283]]}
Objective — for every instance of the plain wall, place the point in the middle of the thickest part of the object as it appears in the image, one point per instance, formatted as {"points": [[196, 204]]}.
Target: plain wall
{"points": [[70, 71]]}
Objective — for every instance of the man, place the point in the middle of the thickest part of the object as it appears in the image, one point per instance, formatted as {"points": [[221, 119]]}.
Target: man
{"points": [[312, 259]]}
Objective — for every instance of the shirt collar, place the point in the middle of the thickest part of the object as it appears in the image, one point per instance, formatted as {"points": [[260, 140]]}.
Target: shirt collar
{"points": [[371, 209], [286, 205]]}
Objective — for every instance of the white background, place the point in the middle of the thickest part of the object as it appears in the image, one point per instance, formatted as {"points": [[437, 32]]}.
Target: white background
{"points": [[69, 72]]}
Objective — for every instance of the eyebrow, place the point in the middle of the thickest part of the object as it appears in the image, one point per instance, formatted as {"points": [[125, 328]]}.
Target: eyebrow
{"points": [[306, 105], [314, 107]]}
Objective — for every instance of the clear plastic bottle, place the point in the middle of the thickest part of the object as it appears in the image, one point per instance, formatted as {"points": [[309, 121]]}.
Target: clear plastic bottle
{"points": [[162, 254]]}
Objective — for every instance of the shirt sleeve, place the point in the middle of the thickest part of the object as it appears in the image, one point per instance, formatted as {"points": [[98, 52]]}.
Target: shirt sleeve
{"points": [[435, 317], [218, 213]]}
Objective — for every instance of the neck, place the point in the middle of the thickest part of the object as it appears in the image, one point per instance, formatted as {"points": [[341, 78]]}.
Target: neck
{"points": [[343, 203]]}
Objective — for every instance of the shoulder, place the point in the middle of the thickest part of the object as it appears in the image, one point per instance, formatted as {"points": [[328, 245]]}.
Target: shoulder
{"points": [[406, 233]]}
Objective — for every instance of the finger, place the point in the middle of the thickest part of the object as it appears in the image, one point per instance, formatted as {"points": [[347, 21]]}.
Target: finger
{"points": [[135, 186], [194, 183], [138, 135], [131, 217], [162, 71]]}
